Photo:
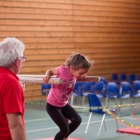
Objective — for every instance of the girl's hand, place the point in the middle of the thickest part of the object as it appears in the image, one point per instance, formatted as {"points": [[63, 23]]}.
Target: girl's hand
{"points": [[48, 74], [46, 79], [84, 75]]}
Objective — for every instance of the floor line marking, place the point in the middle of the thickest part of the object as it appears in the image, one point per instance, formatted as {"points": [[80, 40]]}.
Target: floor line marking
{"points": [[81, 124], [130, 118], [37, 119]]}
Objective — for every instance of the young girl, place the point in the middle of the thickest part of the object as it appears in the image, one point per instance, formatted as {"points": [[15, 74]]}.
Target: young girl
{"points": [[77, 65]]}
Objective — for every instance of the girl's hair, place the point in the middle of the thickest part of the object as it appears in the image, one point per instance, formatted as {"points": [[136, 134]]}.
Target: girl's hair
{"points": [[10, 49], [78, 60]]}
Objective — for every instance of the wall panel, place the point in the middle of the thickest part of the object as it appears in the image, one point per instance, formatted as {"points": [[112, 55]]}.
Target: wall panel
{"points": [[107, 31]]}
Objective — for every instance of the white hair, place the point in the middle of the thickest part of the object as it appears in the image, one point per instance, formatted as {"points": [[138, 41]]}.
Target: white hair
{"points": [[10, 50]]}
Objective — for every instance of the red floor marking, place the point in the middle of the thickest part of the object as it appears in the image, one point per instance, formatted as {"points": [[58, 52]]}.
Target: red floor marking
{"points": [[133, 113], [120, 122], [130, 130], [53, 139]]}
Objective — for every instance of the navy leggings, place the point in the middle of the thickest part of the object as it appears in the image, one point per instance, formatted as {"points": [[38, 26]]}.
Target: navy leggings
{"points": [[58, 115]]}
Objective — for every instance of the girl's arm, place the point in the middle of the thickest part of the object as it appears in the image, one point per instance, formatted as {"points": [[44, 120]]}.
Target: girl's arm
{"points": [[48, 74]]}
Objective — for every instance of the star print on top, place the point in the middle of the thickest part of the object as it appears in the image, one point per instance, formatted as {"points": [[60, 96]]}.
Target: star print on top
{"points": [[70, 86], [59, 93]]}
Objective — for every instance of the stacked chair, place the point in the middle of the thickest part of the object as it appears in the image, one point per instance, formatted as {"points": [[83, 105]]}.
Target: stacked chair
{"points": [[122, 78], [114, 78], [77, 91], [103, 79], [138, 78], [131, 78], [125, 93], [112, 92], [98, 89], [136, 85], [45, 88], [86, 89]]}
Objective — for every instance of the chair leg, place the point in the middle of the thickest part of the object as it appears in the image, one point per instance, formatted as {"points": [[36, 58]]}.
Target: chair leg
{"points": [[105, 125], [106, 101], [88, 122], [120, 91], [134, 100], [121, 101], [71, 100], [129, 100], [83, 100], [117, 122], [119, 108], [101, 124], [116, 102]]}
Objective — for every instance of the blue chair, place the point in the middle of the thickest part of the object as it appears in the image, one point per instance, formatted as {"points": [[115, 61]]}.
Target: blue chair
{"points": [[112, 92], [86, 89], [122, 78], [98, 89], [103, 79], [114, 78], [77, 91], [138, 77], [126, 92], [136, 93], [93, 83], [95, 102], [80, 83], [45, 88], [131, 78]]}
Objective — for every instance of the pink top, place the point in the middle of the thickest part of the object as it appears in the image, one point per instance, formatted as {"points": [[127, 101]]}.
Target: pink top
{"points": [[59, 94]]}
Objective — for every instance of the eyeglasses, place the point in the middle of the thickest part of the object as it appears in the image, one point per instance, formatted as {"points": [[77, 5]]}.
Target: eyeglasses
{"points": [[24, 58]]}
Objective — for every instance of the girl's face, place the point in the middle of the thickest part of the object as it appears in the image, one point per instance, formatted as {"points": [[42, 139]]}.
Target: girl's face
{"points": [[78, 74]]}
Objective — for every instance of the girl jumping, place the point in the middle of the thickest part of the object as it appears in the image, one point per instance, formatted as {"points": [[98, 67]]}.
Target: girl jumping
{"points": [[76, 66]]}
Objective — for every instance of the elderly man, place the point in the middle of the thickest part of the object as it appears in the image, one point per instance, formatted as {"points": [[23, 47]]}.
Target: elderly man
{"points": [[11, 94]]}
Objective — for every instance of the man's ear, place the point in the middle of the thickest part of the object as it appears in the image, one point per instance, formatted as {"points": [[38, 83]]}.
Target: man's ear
{"points": [[17, 62]]}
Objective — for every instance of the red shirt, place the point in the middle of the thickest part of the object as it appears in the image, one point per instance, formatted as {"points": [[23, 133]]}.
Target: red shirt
{"points": [[11, 100]]}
